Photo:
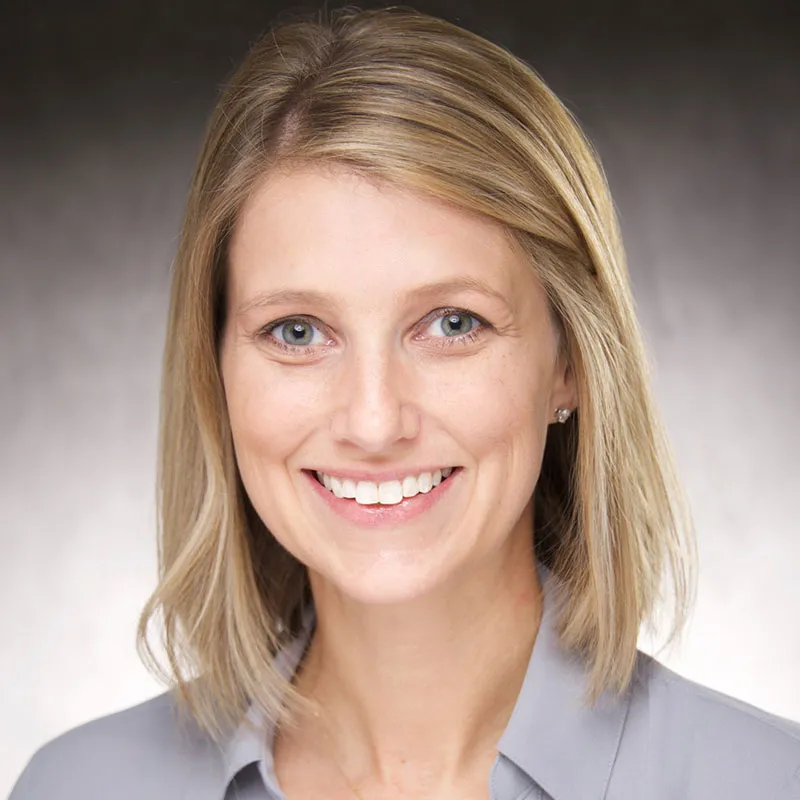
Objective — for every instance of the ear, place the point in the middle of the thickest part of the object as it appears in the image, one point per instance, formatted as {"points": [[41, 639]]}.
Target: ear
{"points": [[564, 392]]}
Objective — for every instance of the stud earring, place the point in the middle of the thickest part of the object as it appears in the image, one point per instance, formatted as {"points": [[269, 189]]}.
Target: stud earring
{"points": [[562, 414]]}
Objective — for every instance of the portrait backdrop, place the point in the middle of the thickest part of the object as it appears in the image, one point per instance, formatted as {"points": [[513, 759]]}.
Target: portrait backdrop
{"points": [[693, 107]]}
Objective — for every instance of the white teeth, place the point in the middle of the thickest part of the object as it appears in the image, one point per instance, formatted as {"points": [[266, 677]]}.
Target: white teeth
{"points": [[425, 481], [390, 493], [366, 493], [386, 493], [410, 486]]}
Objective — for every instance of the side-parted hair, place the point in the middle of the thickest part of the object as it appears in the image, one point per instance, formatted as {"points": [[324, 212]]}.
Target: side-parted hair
{"points": [[403, 98]]}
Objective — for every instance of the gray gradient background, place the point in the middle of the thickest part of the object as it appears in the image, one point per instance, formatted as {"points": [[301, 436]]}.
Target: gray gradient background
{"points": [[694, 109]]}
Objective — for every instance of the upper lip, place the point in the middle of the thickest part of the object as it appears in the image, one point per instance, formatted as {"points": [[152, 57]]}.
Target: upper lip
{"points": [[381, 476]]}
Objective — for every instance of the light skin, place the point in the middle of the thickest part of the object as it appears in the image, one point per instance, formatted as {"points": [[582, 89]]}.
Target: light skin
{"points": [[425, 628]]}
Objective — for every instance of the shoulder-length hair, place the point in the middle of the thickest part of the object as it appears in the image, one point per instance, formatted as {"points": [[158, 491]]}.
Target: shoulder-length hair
{"points": [[401, 97]]}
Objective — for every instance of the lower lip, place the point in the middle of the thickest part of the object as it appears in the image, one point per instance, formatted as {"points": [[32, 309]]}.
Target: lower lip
{"points": [[377, 515]]}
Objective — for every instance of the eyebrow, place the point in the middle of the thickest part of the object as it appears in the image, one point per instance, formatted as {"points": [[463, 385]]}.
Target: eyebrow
{"points": [[428, 290]]}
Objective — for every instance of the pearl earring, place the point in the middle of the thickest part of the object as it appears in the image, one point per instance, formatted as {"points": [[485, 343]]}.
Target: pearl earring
{"points": [[562, 414]]}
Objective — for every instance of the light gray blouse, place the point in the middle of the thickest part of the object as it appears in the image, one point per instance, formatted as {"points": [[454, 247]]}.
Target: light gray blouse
{"points": [[666, 738]]}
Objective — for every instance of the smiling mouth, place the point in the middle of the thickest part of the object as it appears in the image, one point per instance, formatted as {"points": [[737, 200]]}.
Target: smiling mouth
{"points": [[387, 493]]}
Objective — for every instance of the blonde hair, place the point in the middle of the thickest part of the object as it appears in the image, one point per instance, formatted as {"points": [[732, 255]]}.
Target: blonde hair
{"points": [[401, 97]]}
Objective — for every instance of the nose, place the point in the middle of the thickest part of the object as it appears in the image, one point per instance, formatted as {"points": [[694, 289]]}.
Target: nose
{"points": [[375, 408]]}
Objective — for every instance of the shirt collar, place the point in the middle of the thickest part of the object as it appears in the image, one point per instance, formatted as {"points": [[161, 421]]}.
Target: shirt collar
{"points": [[564, 745], [252, 742], [553, 735]]}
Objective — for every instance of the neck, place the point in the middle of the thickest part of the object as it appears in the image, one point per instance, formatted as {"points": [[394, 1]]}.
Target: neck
{"points": [[423, 688]]}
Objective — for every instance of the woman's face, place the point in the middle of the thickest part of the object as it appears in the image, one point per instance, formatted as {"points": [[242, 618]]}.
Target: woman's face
{"points": [[375, 335]]}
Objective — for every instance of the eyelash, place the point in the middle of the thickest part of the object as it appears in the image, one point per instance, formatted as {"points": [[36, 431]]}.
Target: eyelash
{"points": [[448, 341]]}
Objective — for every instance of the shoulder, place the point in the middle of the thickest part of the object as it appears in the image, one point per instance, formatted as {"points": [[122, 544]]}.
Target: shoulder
{"points": [[704, 744], [148, 751]]}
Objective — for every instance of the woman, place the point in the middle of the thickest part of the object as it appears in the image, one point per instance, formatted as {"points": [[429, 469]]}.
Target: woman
{"points": [[415, 503]]}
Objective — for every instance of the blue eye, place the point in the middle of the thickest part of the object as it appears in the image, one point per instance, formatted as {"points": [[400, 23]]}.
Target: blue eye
{"points": [[299, 335], [293, 332], [455, 322]]}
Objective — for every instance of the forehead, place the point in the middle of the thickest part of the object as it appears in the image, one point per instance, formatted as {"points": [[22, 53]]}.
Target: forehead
{"points": [[331, 230]]}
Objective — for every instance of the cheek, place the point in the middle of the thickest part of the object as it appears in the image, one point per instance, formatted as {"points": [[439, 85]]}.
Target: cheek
{"points": [[270, 417], [496, 404], [269, 413], [491, 403]]}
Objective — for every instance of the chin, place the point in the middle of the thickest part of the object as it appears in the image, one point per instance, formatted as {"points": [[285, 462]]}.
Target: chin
{"points": [[390, 581]]}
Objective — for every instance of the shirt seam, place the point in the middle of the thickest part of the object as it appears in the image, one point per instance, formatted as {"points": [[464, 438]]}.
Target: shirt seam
{"points": [[617, 744], [753, 713]]}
